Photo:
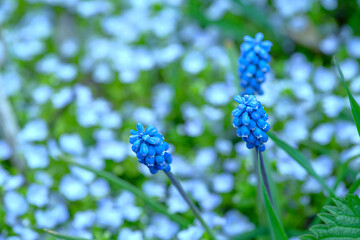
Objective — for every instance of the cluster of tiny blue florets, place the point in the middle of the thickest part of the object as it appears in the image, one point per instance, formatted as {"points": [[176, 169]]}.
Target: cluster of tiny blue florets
{"points": [[253, 63], [150, 148], [250, 121]]}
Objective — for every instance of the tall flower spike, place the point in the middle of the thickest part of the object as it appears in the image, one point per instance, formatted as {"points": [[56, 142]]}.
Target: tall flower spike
{"points": [[250, 121], [150, 148], [253, 63]]}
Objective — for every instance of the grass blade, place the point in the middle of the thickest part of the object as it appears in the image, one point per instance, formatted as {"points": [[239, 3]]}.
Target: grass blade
{"points": [[63, 236], [257, 232], [133, 189], [301, 159], [276, 228], [355, 108]]}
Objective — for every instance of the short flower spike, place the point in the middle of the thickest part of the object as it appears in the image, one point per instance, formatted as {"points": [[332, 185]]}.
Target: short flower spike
{"points": [[150, 148], [253, 63], [250, 121]]}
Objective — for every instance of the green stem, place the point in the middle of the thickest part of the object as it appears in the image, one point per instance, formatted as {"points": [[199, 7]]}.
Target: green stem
{"points": [[133, 189], [264, 177], [192, 206], [355, 185]]}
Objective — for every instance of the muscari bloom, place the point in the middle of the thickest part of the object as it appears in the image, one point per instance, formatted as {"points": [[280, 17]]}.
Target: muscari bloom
{"points": [[250, 121], [150, 148], [253, 63]]}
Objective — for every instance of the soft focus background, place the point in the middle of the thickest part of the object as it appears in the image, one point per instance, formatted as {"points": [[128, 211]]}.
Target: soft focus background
{"points": [[77, 75]]}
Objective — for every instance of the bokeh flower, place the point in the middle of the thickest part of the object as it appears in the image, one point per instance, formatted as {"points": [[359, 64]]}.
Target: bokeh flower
{"points": [[150, 148], [250, 121], [253, 63]]}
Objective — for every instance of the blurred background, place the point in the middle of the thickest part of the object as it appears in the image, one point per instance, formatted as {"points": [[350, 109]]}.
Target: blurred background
{"points": [[76, 76]]}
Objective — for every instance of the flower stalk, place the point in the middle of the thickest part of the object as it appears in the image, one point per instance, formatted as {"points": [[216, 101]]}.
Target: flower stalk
{"points": [[192, 206], [264, 176]]}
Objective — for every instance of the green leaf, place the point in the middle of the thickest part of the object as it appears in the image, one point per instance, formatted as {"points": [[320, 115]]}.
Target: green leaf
{"points": [[257, 232], [63, 236], [133, 189], [301, 159], [355, 108], [341, 223], [276, 228]]}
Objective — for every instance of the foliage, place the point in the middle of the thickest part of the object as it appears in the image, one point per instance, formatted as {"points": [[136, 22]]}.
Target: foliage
{"points": [[341, 222]]}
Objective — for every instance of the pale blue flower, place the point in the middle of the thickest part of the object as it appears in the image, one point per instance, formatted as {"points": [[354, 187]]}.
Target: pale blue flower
{"points": [[353, 46], [108, 216], [69, 47], [223, 183], [311, 185], [223, 146], [329, 5], [35, 130], [62, 98], [13, 182], [161, 222], [144, 115], [44, 178], [323, 133], [193, 233], [236, 223], [72, 188], [112, 149], [232, 165], [154, 189], [329, 45], [102, 73], [218, 93], [131, 213], [210, 202], [37, 195], [128, 234], [111, 120], [26, 233], [66, 72], [100, 188], [83, 219], [289, 167], [48, 64], [129, 75], [52, 217], [205, 157], [325, 79], [350, 68], [72, 144], [82, 174], [194, 62], [333, 105], [319, 163], [5, 150], [36, 156], [42, 94], [15, 204]]}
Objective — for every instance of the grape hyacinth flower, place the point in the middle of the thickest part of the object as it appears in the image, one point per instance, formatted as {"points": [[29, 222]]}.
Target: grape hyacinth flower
{"points": [[150, 148], [253, 63], [250, 121]]}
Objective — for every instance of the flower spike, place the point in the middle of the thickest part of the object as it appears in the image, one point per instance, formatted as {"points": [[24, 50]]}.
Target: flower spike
{"points": [[250, 121], [150, 148], [253, 63]]}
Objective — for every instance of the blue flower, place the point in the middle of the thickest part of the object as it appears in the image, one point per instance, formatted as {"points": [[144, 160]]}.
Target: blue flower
{"points": [[253, 63], [150, 148], [250, 121]]}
